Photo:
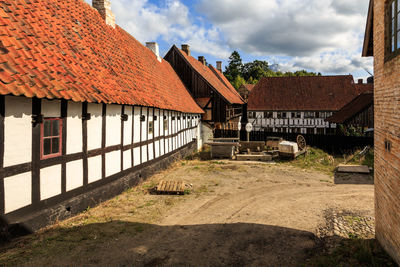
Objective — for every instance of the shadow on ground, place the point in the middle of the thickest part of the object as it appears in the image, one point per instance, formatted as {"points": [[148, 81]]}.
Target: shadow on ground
{"points": [[120, 243], [353, 178]]}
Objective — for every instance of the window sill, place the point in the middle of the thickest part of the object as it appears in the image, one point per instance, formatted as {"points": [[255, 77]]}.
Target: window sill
{"points": [[389, 57]]}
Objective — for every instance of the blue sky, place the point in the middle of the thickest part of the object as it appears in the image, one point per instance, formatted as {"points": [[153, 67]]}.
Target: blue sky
{"points": [[317, 35]]}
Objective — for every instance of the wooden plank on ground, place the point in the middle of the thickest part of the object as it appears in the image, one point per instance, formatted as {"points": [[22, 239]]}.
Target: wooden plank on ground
{"points": [[353, 169], [170, 187]]}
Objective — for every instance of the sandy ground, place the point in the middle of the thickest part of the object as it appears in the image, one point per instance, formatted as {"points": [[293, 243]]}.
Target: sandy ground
{"points": [[253, 214]]}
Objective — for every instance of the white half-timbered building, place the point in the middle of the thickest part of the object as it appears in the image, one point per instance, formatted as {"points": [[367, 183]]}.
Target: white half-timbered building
{"points": [[300, 104], [85, 110]]}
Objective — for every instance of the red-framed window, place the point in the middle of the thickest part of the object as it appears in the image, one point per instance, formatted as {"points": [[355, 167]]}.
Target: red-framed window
{"points": [[51, 138]]}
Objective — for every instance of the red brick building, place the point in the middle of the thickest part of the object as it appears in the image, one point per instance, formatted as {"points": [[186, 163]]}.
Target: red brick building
{"points": [[382, 40]]}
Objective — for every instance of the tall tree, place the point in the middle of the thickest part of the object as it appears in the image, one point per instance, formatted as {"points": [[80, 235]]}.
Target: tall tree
{"points": [[235, 66]]}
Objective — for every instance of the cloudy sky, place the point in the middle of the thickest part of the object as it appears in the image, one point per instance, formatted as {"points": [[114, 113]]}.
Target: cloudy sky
{"points": [[317, 35]]}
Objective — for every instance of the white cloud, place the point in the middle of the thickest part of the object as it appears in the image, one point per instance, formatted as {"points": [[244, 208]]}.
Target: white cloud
{"points": [[321, 35], [170, 22]]}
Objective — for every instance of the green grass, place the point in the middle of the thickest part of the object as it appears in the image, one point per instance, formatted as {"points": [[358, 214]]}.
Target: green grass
{"points": [[316, 159]]}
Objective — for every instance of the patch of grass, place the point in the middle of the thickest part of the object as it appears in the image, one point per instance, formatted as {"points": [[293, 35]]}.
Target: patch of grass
{"points": [[369, 159], [354, 252], [316, 159]]}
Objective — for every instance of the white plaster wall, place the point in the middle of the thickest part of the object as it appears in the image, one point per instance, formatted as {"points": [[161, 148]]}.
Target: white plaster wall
{"points": [[113, 163], [74, 128], [136, 156], [94, 169], [151, 156], [157, 123], [162, 146], [17, 191], [157, 143], [127, 159], [144, 154], [128, 126], [17, 130], [51, 108], [74, 174], [144, 125], [50, 182], [150, 119], [94, 126], [113, 125], [136, 127]]}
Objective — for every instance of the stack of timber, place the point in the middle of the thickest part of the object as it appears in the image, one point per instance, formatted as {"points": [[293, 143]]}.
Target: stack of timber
{"points": [[170, 187]]}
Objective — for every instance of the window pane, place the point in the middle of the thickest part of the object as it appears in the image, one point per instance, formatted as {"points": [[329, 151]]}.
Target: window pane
{"points": [[398, 21], [398, 40], [56, 128], [392, 50], [47, 128], [55, 145], [46, 146], [393, 9]]}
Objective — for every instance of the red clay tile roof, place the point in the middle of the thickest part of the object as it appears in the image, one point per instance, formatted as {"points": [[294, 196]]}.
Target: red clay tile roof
{"points": [[354, 107], [364, 87], [225, 81], [64, 49], [215, 81], [249, 87], [307, 93]]}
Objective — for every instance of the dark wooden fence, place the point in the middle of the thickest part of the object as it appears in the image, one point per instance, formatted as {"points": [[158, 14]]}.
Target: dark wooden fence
{"points": [[330, 143]]}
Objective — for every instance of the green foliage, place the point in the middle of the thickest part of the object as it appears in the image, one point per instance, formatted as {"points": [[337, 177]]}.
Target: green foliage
{"points": [[235, 67], [250, 73]]}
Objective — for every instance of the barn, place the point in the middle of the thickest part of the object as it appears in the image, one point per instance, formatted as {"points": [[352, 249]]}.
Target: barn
{"points": [[86, 111], [209, 87]]}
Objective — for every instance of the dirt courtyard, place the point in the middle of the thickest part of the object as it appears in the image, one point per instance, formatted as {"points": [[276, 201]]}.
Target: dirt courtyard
{"points": [[253, 214]]}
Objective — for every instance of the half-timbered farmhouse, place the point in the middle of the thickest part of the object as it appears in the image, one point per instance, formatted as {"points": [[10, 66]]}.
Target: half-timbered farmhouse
{"points": [[382, 40], [212, 91], [85, 110], [299, 104]]}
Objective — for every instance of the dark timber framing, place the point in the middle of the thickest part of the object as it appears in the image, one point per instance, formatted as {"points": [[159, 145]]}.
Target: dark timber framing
{"points": [[122, 136], [64, 110], [36, 111], [103, 140], [85, 144]]}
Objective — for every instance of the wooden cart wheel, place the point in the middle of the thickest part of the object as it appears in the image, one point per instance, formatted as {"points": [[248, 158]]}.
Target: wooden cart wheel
{"points": [[301, 142]]}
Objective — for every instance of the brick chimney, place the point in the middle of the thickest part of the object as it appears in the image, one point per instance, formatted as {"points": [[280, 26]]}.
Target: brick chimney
{"points": [[360, 81], [104, 8], [186, 49], [202, 60], [219, 66], [153, 46]]}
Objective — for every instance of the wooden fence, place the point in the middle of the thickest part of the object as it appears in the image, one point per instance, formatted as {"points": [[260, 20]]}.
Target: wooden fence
{"points": [[329, 143]]}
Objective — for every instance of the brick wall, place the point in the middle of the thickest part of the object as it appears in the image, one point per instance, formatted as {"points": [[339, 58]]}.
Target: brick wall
{"points": [[387, 127]]}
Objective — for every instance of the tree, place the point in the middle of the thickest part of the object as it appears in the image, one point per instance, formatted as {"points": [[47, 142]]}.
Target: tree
{"points": [[238, 73], [238, 81], [235, 67]]}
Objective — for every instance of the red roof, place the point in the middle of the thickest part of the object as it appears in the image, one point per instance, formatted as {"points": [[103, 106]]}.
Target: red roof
{"points": [[249, 87], [306, 93], [215, 81], [354, 107], [225, 81], [64, 49]]}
